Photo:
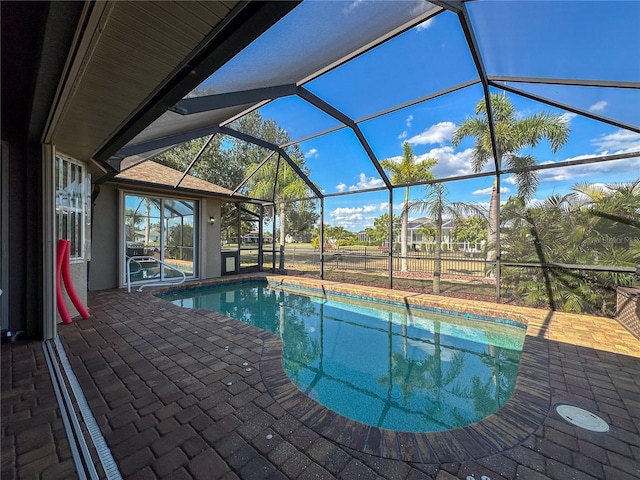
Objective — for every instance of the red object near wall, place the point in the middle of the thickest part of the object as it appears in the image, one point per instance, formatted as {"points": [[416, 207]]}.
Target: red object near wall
{"points": [[63, 270]]}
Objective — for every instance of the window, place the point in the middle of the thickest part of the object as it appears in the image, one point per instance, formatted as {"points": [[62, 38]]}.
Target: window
{"points": [[73, 205], [162, 228]]}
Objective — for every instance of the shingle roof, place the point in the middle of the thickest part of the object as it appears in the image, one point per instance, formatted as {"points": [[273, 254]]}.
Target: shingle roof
{"points": [[150, 173]]}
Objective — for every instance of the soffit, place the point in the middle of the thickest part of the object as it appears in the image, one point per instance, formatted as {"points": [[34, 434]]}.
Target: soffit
{"points": [[137, 47], [312, 39]]}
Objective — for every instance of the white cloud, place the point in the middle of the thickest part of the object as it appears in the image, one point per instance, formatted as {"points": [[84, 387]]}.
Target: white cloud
{"points": [[352, 216], [438, 133], [484, 206], [567, 117], [488, 190], [598, 106], [340, 211], [357, 218], [384, 207], [409, 120], [366, 182], [424, 25], [624, 169], [352, 6], [403, 135], [621, 141], [341, 187], [450, 162], [483, 191], [312, 153]]}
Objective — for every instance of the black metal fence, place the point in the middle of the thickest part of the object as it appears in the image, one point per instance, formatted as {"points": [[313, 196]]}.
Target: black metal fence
{"points": [[374, 259], [461, 274]]}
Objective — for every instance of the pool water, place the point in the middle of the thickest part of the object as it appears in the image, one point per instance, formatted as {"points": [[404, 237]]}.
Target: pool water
{"points": [[389, 366]]}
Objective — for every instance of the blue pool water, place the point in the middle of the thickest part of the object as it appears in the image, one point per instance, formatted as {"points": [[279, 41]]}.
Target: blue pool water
{"points": [[380, 364]]}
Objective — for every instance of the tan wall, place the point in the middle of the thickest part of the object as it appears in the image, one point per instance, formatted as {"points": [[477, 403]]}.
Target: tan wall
{"points": [[103, 269], [210, 240]]}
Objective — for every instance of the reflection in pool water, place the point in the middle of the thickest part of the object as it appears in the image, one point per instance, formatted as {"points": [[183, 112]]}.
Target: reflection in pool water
{"points": [[393, 367]]}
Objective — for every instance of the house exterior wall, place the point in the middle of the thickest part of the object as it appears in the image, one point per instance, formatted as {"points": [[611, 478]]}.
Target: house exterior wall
{"points": [[103, 268], [210, 252], [416, 238]]}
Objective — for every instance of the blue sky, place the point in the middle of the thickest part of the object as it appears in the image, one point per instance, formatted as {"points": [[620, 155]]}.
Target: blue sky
{"points": [[585, 40]]}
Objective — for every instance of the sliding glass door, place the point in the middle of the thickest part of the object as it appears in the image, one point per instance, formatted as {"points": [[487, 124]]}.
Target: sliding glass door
{"points": [[163, 229]]}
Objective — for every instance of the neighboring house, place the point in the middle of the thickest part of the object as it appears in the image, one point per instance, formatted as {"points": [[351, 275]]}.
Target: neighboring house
{"points": [[299, 238], [254, 235], [153, 237], [416, 237]]}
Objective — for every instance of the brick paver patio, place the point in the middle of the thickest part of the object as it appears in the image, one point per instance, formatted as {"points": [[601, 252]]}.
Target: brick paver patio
{"points": [[33, 441], [174, 399]]}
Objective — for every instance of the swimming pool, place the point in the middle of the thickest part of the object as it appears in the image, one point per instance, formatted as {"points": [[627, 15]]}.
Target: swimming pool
{"points": [[391, 366]]}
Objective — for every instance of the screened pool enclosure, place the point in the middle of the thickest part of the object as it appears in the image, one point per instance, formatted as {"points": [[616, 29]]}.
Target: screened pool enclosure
{"points": [[485, 149]]}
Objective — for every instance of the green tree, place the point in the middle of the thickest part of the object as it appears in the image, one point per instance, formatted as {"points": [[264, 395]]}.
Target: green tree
{"points": [[428, 230], [339, 236], [370, 234], [470, 230], [302, 221], [512, 135], [615, 209], [215, 164], [228, 160], [132, 219], [278, 181], [594, 225], [555, 234], [408, 170], [380, 231]]}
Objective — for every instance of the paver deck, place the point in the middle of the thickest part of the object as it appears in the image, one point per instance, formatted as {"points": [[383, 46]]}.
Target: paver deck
{"points": [[173, 398]]}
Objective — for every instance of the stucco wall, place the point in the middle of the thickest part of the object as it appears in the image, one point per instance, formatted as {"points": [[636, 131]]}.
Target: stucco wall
{"points": [[103, 269], [210, 240]]}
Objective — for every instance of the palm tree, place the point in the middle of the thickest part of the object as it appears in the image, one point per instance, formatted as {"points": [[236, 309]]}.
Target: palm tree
{"points": [[132, 220], [427, 230], [408, 170], [512, 134], [614, 229], [615, 206], [287, 186], [436, 206]]}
